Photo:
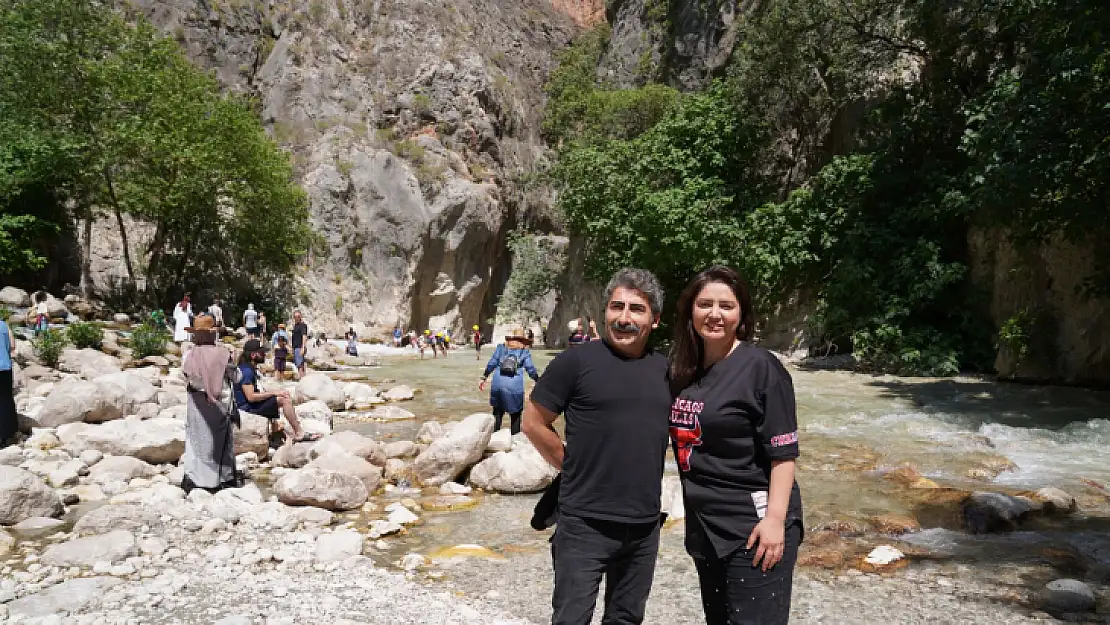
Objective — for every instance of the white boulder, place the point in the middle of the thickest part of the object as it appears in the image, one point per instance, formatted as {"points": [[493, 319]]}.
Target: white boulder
{"points": [[89, 363], [338, 546], [157, 441], [330, 490], [447, 457], [522, 470], [320, 387], [24, 495], [399, 393], [111, 547], [341, 462]]}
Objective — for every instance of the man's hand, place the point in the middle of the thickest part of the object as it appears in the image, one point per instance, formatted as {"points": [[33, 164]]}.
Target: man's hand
{"points": [[537, 426]]}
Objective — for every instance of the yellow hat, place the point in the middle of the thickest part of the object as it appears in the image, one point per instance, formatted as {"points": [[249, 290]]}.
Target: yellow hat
{"points": [[475, 327], [427, 331]]}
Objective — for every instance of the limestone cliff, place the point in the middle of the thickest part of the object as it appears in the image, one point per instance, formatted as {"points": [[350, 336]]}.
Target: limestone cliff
{"points": [[412, 125]]}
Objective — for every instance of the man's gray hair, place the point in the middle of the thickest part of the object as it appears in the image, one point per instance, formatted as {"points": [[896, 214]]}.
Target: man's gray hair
{"points": [[641, 280]]}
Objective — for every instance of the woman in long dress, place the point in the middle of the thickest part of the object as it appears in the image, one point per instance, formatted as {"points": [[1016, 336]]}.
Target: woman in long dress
{"points": [[182, 317], [209, 439]]}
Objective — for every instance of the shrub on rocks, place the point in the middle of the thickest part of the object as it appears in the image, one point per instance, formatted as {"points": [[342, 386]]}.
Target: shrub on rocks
{"points": [[84, 335], [149, 340], [24, 495], [324, 489], [447, 457], [49, 346]]}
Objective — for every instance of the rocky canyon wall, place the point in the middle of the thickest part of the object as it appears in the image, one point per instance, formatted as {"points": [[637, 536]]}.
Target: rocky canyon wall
{"points": [[412, 125]]}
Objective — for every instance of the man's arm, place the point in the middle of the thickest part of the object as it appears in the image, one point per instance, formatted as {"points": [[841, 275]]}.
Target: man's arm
{"points": [[537, 426]]}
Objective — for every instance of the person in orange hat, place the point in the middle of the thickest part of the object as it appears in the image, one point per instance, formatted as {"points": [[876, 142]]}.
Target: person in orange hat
{"points": [[509, 362]]}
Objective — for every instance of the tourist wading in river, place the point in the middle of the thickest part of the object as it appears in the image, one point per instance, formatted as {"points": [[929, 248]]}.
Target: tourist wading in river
{"points": [[614, 397], [509, 363], [735, 436]]}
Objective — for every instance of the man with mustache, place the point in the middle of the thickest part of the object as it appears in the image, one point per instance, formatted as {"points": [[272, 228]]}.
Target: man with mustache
{"points": [[614, 397]]}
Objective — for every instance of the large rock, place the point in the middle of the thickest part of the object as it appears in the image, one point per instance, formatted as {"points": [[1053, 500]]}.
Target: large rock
{"points": [[399, 393], [986, 512], [341, 462], [361, 395], [11, 297], [120, 468], [137, 389], [447, 457], [90, 363], [65, 598], [24, 495], [502, 440], [430, 430], [74, 401], [1055, 501], [522, 470], [56, 308], [111, 547], [324, 489], [1067, 595], [346, 442], [322, 388], [338, 546], [126, 516], [391, 413], [254, 435], [292, 456], [315, 410], [157, 440]]}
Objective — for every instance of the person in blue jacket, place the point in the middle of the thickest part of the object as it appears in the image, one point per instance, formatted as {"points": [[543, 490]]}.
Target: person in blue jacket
{"points": [[508, 364]]}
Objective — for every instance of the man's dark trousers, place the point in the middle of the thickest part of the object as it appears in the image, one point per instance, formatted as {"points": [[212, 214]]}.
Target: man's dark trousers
{"points": [[583, 549]]}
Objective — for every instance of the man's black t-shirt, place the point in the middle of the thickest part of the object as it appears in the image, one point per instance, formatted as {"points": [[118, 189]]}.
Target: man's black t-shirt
{"points": [[300, 330], [726, 428], [616, 415]]}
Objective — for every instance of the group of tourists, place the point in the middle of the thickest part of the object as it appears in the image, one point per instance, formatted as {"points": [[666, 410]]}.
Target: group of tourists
{"points": [[728, 411], [218, 388]]}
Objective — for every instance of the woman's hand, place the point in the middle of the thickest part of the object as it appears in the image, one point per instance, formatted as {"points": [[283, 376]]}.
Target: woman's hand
{"points": [[482, 384], [770, 533]]}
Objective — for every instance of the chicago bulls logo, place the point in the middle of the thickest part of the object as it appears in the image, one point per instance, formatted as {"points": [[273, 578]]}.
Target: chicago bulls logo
{"points": [[685, 440]]}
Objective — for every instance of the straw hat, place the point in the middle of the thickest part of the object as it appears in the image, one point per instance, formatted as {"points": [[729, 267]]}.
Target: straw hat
{"points": [[203, 323], [518, 334]]}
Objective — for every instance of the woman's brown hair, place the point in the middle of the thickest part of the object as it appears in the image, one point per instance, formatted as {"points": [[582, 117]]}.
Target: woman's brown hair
{"points": [[687, 348]]}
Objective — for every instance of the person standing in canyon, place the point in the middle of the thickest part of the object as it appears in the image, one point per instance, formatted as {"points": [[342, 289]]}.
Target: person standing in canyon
{"points": [[9, 420], [476, 336], [300, 335], [735, 433], [182, 318], [614, 397], [250, 322]]}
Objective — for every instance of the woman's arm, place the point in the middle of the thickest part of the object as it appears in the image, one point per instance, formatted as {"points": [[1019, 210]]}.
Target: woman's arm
{"points": [[529, 366], [494, 360]]}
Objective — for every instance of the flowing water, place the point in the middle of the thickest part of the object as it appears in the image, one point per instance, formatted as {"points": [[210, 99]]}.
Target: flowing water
{"points": [[959, 435]]}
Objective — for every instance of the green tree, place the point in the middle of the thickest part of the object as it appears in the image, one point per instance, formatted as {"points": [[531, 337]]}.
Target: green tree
{"points": [[537, 263], [113, 120]]}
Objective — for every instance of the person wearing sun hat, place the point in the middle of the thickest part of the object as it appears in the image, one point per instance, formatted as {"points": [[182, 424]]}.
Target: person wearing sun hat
{"points": [[508, 364], [209, 459]]}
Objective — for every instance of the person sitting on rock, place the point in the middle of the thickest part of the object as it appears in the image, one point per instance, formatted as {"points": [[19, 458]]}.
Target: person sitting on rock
{"points": [[509, 362], [270, 404]]}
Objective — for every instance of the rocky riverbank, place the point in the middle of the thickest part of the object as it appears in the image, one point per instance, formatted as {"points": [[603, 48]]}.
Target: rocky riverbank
{"points": [[418, 519]]}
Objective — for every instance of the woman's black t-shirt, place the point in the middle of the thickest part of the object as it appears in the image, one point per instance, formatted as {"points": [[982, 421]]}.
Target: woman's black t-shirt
{"points": [[726, 428]]}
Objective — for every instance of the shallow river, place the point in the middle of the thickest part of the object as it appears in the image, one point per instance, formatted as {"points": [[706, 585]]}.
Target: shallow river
{"points": [[958, 434]]}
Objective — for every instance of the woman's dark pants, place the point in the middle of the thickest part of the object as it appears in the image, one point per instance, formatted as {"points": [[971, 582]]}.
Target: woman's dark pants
{"points": [[9, 421], [733, 592], [514, 420]]}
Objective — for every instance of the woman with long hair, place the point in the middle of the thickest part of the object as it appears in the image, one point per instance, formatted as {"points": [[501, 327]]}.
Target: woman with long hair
{"points": [[735, 436]]}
